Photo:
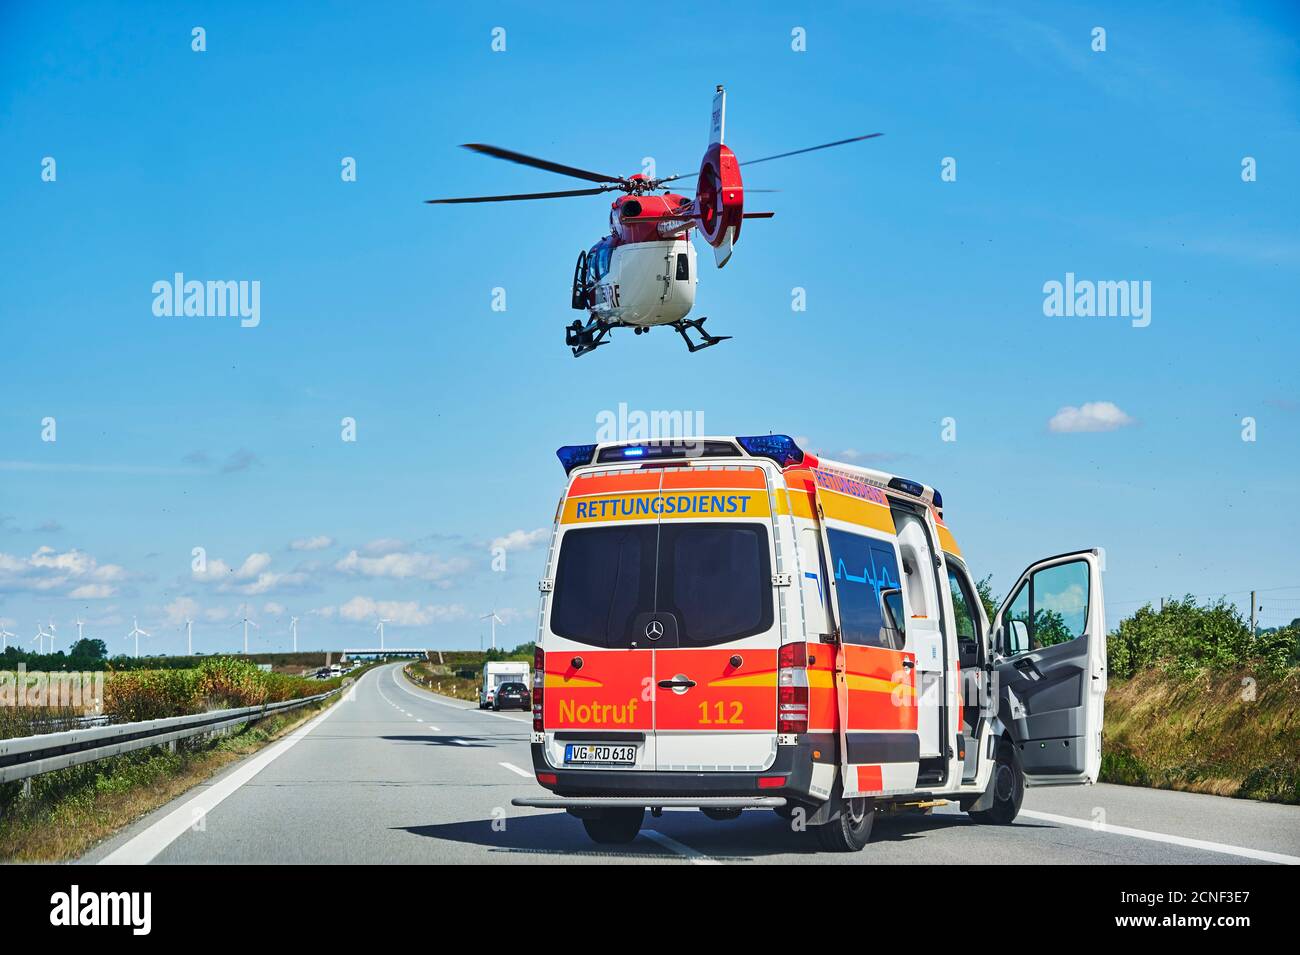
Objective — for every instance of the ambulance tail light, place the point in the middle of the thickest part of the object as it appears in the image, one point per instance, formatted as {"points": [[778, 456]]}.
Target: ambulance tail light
{"points": [[539, 684], [792, 689]]}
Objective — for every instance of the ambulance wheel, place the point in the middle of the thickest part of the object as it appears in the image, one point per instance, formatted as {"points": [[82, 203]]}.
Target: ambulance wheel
{"points": [[721, 815], [850, 831], [614, 826], [1008, 785]]}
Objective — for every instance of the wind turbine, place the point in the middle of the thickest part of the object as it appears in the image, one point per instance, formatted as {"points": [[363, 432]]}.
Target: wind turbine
{"points": [[246, 622], [380, 627], [189, 637], [495, 620], [4, 639], [80, 623], [293, 628], [40, 638], [137, 633]]}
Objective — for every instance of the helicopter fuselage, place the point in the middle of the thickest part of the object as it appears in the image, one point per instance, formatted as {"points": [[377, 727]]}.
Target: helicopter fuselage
{"points": [[643, 273]]}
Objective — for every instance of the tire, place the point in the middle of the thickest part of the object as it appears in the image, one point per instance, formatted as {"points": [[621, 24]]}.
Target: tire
{"points": [[614, 826], [721, 815], [850, 831], [1008, 784]]}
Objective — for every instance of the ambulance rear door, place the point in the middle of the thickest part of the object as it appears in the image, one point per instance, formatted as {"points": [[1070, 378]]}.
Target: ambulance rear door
{"points": [[598, 683], [875, 680], [716, 668]]}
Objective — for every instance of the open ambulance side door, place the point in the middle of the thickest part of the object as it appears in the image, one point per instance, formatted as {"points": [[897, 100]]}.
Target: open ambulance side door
{"points": [[1049, 652], [875, 682]]}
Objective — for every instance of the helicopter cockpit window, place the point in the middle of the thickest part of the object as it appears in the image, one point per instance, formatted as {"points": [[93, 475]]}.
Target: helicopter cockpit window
{"points": [[604, 260], [592, 273]]}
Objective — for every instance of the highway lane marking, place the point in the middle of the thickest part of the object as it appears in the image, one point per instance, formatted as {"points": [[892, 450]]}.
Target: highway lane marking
{"points": [[692, 856], [459, 742], [146, 846], [516, 770], [1206, 845], [467, 708]]}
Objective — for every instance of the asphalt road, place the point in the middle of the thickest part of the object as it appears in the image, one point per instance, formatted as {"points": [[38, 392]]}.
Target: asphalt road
{"points": [[394, 774]]}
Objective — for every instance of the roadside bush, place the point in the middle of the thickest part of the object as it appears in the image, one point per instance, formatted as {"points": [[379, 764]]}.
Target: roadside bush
{"points": [[217, 683], [1186, 638], [150, 694]]}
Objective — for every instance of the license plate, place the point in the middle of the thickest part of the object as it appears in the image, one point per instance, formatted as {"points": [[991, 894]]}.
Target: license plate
{"points": [[598, 753]]}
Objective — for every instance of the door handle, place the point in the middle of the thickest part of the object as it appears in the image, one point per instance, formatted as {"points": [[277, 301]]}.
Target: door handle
{"points": [[909, 664], [671, 684]]}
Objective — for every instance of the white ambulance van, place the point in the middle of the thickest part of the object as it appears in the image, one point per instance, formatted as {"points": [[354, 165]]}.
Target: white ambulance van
{"points": [[732, 623]]}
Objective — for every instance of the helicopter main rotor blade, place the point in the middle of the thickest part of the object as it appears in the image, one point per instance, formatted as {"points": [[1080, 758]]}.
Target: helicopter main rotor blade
{"points": [[524, 195], [525, 160], [811, 149], [747, 189], [793, 152]]}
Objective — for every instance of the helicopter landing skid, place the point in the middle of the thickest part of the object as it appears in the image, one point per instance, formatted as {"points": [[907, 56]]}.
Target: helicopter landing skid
{"points": [[698, 325], [586, 338]]}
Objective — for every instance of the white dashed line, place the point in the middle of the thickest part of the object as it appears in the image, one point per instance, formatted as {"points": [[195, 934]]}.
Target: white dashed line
{"points": [[517, 771]]}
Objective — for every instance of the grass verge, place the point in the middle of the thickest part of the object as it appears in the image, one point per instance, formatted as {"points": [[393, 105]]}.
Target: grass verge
{"points": [[447, 680], [1226, 734]]}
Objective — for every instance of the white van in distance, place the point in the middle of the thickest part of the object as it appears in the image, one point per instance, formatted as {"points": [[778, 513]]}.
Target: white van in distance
{"points": [[494, 674]]}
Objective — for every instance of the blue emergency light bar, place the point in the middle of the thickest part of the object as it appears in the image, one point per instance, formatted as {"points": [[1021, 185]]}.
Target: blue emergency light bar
{"points": [[575, 455], [779, 447], [907, 487]]}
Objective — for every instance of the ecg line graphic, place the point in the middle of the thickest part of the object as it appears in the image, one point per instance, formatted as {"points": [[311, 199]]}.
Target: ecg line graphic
{"points": [[878, 578]]}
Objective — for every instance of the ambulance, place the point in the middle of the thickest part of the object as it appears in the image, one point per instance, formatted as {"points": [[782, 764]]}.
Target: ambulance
{"points": [[732, 623]]}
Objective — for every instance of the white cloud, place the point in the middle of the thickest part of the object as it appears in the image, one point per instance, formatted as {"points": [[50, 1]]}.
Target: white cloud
{"points": [[319, 542], [400, 613], [181, 608], [70, 573], [252, 577], [383, 545], [402, 565], [521, 539], [273, 609], [1090, 416], [92, 592]]}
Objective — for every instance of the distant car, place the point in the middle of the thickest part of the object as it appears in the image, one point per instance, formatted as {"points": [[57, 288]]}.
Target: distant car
{"points": [[512, 694], [323, 673]]}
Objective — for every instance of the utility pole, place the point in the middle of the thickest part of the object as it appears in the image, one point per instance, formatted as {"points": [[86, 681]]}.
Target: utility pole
{"points": [[1252, 615]]}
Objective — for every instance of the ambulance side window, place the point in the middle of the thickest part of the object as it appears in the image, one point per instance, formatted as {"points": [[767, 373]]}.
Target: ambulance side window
{"points": [[1050, 608], [966, 613], [864, 568]]}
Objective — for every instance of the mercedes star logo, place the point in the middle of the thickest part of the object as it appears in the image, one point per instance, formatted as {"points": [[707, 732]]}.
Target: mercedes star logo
{"points": [[654, 630]]}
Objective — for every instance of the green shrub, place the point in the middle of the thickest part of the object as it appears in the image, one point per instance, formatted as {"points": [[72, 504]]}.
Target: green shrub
{"points": [[1186, 638]]}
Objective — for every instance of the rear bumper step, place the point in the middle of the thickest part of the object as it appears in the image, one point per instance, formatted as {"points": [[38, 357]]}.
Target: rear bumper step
{"points": [[652, 802]]}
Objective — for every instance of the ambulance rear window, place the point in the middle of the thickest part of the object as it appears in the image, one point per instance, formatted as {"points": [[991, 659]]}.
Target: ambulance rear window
{"points": [[714, 578]]}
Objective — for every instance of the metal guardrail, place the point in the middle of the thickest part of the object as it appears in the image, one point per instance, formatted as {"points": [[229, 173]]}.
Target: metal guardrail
{"points": [[26, 756]]}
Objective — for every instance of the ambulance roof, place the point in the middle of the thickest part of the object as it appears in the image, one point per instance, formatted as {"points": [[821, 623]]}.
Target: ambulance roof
{"points": [[775, 447]]}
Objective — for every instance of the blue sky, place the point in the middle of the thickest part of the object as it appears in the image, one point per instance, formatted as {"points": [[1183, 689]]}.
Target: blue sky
{"points": [[924, 297]]}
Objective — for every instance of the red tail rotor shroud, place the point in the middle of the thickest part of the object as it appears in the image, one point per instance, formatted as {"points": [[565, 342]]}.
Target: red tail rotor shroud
{"points": [[720, 195]]}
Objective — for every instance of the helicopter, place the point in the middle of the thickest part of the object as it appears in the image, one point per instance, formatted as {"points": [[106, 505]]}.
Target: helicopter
{"points": [[643, 273]]}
